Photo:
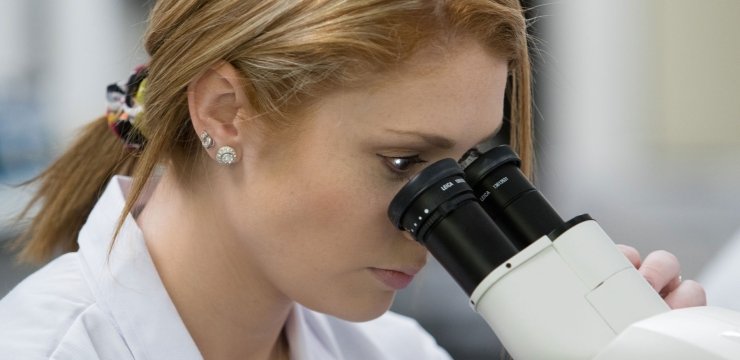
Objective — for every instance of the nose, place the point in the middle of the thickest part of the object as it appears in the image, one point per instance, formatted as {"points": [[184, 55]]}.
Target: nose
{"points": [[418, 248], [408, 236]]}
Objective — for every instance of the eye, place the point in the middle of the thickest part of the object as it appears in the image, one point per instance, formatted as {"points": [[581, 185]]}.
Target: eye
{"points": [[402, 165]]}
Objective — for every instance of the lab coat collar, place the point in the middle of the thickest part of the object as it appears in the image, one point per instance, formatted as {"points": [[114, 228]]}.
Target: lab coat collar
{"points": [[310, 336], [126, 284]]}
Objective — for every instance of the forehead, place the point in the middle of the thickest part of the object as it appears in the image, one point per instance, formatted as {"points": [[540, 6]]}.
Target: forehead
{"points": [[455, 92]]}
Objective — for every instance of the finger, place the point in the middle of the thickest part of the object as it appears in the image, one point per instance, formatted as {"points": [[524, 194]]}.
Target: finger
{"points": [[660, 268], [689, 293], [631, 253], [672, 285]]}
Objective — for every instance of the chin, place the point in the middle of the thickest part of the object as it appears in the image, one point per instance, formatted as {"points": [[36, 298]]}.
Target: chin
{"points": [[366, 309]]}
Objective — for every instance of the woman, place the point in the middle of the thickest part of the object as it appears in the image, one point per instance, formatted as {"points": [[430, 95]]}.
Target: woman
{"points": [[265, 140]]}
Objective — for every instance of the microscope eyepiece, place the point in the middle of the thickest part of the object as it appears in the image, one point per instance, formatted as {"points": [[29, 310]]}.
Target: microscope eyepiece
{"points": [[438, 207], [508, 196], [427, 196]]}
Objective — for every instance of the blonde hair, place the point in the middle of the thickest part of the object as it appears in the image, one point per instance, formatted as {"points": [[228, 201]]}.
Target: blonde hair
{"points": [[288, 52]]}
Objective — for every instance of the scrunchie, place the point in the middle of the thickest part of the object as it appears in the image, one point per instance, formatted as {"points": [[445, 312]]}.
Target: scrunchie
{"points": [[124, 100]]}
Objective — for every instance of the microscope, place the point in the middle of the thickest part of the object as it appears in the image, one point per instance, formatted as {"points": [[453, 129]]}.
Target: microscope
{"points": [[549, 288]]}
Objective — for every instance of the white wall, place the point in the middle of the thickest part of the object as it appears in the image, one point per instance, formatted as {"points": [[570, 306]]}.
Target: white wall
{"points": [[643, 129], [56, 59], [90, 44]]}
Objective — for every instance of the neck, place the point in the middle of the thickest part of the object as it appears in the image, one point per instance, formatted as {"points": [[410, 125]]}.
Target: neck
{"points": [[230, 309]]}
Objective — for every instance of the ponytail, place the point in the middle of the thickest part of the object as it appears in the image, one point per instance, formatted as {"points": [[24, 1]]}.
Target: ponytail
{"points": [[68, 190]]}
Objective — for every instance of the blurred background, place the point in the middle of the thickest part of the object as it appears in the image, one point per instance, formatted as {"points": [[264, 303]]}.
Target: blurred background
{"points": [[638, 103]]}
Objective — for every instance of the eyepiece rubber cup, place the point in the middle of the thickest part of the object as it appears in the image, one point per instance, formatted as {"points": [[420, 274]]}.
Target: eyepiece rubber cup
{"points": [[420, 183], [490, 161]]}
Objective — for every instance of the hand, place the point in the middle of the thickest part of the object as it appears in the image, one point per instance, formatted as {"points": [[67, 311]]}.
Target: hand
{"points": [[662, 270]]}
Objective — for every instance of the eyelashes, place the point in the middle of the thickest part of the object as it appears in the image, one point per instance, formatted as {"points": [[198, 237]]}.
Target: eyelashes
{"points": [[402, 166]]}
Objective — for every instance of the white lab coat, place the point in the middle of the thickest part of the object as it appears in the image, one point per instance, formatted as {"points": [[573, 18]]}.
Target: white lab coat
{"points": [[86, 305]]}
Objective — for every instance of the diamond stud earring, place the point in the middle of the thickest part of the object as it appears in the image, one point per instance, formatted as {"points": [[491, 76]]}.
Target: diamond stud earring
{"points": [[226, 155], [206, 140]]}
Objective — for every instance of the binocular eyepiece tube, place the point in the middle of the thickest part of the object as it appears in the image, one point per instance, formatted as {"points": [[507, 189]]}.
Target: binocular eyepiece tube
{"points": [[509, 197], [475, 219]]}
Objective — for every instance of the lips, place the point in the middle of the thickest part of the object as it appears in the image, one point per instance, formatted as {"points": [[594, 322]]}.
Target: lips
{"points": [[394, 279]]}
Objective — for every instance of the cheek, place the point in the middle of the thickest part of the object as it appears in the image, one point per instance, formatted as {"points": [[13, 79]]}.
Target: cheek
{"points": [[313, 221], [336, 216], [338, 210]]}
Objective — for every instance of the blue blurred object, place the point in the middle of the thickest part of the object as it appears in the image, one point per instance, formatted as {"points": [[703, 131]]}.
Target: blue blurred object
{"points": [[24, 151], [24, 148]]}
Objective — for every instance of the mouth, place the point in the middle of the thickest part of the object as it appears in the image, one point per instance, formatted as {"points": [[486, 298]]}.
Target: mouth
{"points": [[394, 279]]}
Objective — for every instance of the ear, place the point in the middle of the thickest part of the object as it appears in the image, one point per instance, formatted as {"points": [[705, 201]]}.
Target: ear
{"points": [[219, 106]]}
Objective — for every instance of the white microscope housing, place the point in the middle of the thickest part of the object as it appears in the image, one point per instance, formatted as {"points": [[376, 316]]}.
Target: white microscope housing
{"points": [[578, 297], [548, 288]]}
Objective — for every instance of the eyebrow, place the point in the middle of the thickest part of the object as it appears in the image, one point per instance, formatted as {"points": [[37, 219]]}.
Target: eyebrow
{"points": [[433, 139], [441, 141]]}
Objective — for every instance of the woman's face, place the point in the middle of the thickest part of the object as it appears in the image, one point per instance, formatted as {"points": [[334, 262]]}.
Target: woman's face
{"points": [[311, 214]]}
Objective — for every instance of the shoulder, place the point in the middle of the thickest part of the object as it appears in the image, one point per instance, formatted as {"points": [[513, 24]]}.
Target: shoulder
{"points": [[50, 314], [391, 336]]}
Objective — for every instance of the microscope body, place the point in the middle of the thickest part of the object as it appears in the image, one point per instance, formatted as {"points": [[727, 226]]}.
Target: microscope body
{"points": [[549, 288], [577, 297]]}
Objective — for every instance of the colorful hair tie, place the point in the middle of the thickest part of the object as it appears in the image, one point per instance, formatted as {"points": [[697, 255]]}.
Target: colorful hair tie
{"points": [[125, 99]]}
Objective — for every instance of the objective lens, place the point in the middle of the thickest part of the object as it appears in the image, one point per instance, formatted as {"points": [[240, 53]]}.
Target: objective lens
{"points": [[509, 198], [439, 209]]}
